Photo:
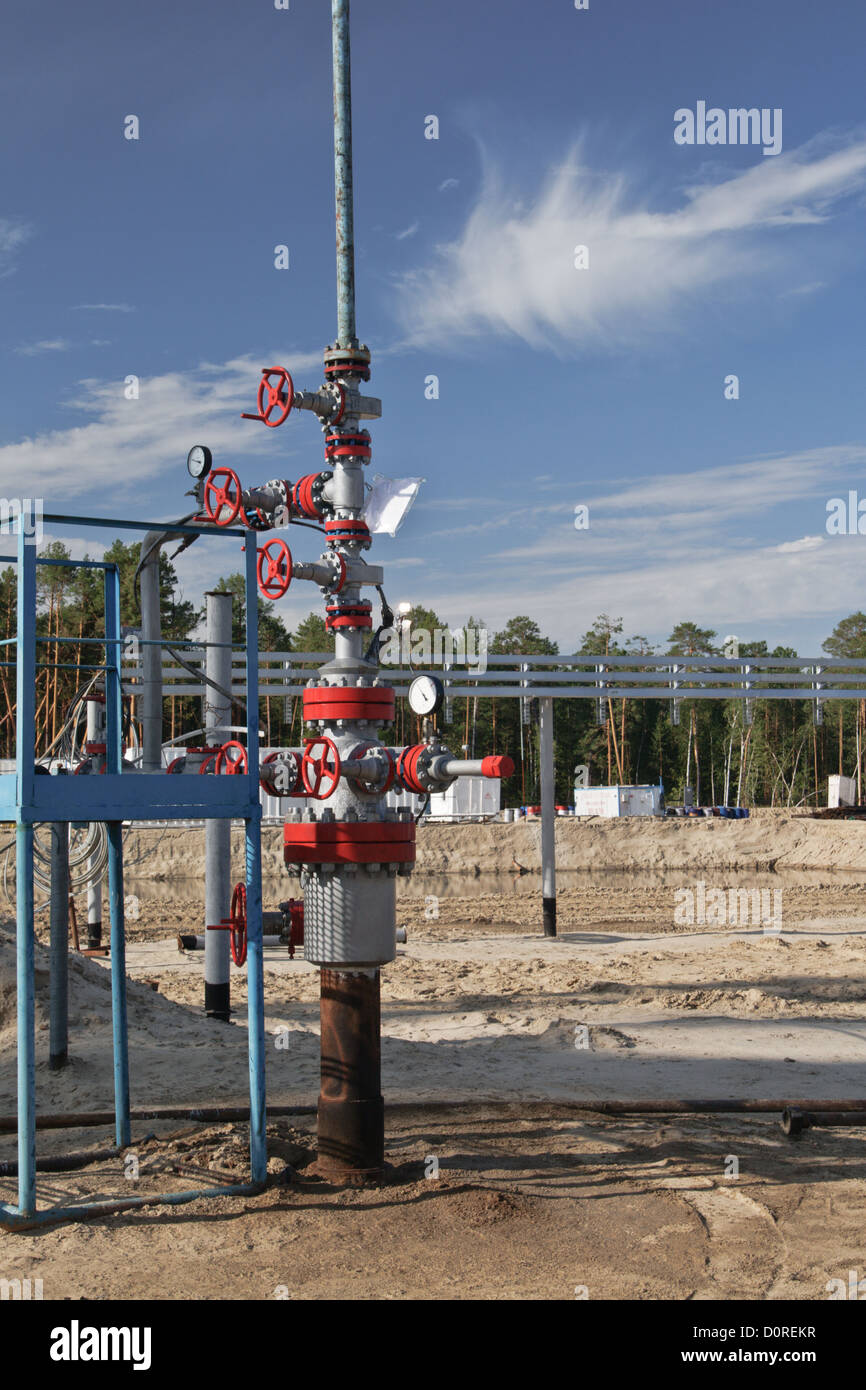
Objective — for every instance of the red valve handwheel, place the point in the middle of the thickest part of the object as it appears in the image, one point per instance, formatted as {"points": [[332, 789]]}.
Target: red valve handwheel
{"points": [[280, 397], [320, 770], [295, 761], [274, 568], [232, 758], [238, 936], [277, 398], [218, 496]]}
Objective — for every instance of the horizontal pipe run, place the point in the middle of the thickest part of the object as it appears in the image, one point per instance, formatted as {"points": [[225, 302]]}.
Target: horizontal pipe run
{"points": [[90, 1211], [794, 1120], [93, 1119], [188, 941], [240, 1113], [170, 527], [60, 1163]]}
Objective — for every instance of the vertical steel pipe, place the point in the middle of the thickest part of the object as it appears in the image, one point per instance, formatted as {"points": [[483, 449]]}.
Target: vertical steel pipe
{"points": [[351, 1125], [151, 653], [95, 734], [253, 827], [113, 765], [113, 687], [217, 833], [343, 189], [58, 1047], [548, 817]]}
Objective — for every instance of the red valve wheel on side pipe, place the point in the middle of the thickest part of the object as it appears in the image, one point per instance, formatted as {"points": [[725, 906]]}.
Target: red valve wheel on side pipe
{"points": [[278, 398], [238, 936], [218, 496], [232, 758], [274, 568], [320, 773]]}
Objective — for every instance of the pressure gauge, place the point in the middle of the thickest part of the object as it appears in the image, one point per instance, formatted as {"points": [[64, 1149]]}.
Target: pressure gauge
{"points": [[199, 461], [426, 694]]}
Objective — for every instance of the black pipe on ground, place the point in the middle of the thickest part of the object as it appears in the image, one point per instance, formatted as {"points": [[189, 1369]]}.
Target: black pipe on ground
{"points": [[87, 1119]]}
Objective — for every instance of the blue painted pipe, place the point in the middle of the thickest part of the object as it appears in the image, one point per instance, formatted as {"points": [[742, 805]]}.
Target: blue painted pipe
{"points": [[122, 1121], [19, 1220], [255, 960], [25, 734]]}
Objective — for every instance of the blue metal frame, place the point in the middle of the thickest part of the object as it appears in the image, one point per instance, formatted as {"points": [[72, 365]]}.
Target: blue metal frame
{"points": [[115, 797]]}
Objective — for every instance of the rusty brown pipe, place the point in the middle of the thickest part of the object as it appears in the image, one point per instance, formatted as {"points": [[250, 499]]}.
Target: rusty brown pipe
{"points": [[351, 1110]]}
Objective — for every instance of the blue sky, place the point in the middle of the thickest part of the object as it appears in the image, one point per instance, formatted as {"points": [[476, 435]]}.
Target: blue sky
{"points": [[558, 386]]}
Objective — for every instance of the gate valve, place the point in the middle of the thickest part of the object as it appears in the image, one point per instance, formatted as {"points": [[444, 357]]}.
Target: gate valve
{"points": [[236, 923], [274, 568], [315, 771], [218, 495], [292, 763], [295, 908], [279, 397], [231, 758], [375, 780]]}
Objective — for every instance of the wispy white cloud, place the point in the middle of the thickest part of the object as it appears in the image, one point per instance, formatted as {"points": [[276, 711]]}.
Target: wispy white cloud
{"points": [[512, 270], [448, 183], [46, 345], [407, 232], [143, 438], [691, 545], [14, 232], [108, 308]]}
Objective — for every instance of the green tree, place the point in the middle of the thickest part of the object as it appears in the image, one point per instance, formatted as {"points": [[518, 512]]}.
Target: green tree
{"points": [[687, 639], [848, 638]]}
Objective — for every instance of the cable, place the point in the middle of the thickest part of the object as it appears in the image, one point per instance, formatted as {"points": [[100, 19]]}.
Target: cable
{"points": [[372, 652], [200, 675]]}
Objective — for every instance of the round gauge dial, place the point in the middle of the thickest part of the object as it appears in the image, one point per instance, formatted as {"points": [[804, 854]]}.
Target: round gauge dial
{"points": [[199, 461], [426, 694]]}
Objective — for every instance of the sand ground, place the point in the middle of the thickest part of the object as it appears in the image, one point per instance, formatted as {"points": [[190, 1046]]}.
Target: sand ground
{"points": [[626, 1002]]}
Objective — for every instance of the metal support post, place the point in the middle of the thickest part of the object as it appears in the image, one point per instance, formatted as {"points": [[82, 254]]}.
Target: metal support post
{"points": [[25, 744], [253, 823], [217, 833], [548, 817], [58, 1048]]}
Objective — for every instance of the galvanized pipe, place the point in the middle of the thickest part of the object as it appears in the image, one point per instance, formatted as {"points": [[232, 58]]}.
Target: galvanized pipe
{"points": [[548, 818], [151, 654], [95, 734], [216, 718], [58, 1008], [343, 190]]}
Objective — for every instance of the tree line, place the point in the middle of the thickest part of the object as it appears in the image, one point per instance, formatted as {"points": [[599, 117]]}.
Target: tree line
{"points": [[778, 757]]}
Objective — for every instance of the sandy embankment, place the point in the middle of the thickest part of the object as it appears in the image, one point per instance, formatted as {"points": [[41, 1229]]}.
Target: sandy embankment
{"points": [[765, 841]]}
